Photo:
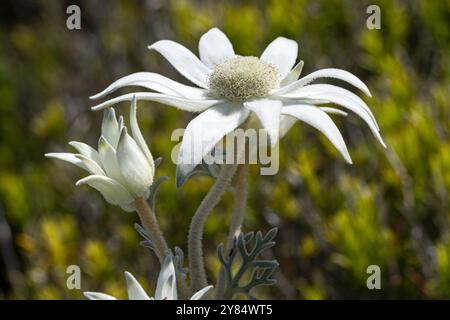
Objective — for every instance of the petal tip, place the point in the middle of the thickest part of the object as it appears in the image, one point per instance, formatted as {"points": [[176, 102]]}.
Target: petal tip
{"points": [[88, 295], [80, 182], [180, 178], [128, 275], [96, 96], [123, 133]]}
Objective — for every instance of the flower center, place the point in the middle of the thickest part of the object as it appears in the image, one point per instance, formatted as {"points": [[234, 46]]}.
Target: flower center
{"points": [[243, 78]]}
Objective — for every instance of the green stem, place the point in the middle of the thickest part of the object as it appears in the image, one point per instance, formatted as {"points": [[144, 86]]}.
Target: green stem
{"points": [[237, 218], [195, 250]]}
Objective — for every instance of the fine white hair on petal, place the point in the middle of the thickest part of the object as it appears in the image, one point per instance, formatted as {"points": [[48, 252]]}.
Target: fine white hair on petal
{"points": [[325, 73], [192, 105], [281, 53], [204, 132], [110, 127], [322, 91], [156, 82], [68, 157], [109, 162], [86, 150], [184, 61], [133, 165], [137, 135], [91, 166], [214, 47], [111, 190], [268, 112], [334, 111], [346, 102], [322, 122]]}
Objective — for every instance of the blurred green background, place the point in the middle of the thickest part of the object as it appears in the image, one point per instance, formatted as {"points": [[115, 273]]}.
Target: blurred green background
{"points": [[391, 208]]}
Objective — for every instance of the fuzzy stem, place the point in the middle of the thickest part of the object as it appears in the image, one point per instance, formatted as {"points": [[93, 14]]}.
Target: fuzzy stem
{"points": [[195, 250], [237, 218], [148, 219], [182, 289], [150, 223]]}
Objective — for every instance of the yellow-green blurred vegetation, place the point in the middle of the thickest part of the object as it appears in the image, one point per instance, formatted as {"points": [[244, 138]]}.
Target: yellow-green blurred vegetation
{"points": [[391, 208]]}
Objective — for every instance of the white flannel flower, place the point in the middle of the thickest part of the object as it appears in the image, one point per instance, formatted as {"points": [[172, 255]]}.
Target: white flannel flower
{"points": [[231, 87], [122, 169], [166, 286]]}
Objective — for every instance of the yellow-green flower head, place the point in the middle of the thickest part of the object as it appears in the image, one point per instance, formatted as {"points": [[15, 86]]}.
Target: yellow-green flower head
{"points": [[243, 78]]}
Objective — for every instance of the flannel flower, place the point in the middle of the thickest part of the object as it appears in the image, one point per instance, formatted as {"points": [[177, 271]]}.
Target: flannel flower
{"points": [[229, 88], [166, 286], [122, 169]]}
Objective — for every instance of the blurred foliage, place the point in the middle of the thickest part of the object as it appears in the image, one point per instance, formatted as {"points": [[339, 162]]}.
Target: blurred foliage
{"points": [[391, 208]]}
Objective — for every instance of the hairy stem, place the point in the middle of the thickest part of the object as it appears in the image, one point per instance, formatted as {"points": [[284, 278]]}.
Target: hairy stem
{"points": [[195, 250], [148, 219], [237, 218], [182, 289], [150, 223]]}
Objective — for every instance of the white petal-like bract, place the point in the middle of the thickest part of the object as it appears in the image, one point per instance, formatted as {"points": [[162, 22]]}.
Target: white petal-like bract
{"points": [[184, 61], [201, 293], [137, 135], [86, 150], [166, 286], [68, 157], [322, 122], [281, 53], [192, 105], [156, 82], [204, 132], [91, 166], [331, 110], [268, 112], [325, 73], [133, 164], [214, 47], [110, 127], [135, 290], [98, 296], [322, 91], [111, 190], [109, 161], [293, 74], [345, 99]]}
